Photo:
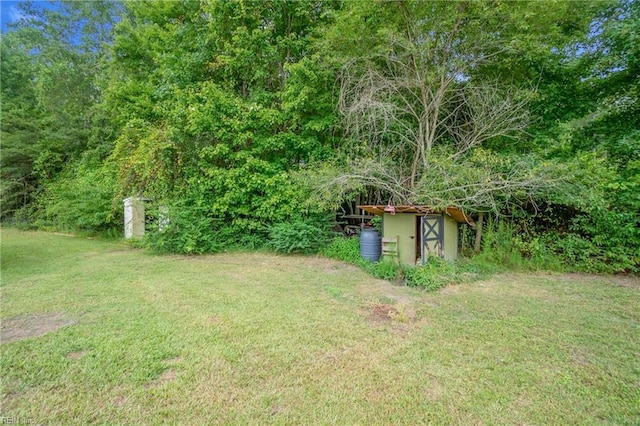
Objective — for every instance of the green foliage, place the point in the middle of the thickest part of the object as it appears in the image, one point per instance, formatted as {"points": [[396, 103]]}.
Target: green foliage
{"points": [[434, 274], [348, 250], [80, 199], [236, 207], [385, 269], [224, 117], [437, 273], [509, 244], [561, 239], [593, 128], [19, 127], [344, 249], [189, 230], [228, 111], [593, 225], [298, 236], [603, 241], [499, 246], [611, 67], [51, 60]]}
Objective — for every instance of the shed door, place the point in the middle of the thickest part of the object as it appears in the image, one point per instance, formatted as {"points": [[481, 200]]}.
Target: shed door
{"points": [[432, 234]]}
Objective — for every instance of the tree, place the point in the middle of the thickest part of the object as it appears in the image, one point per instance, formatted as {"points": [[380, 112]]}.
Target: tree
{"points": [[420, 102], [605, 236], [50, 65], [19, 127], [211, 102]]}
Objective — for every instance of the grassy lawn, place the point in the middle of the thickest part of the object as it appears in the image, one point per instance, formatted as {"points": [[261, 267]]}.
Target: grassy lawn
{"points": [[97, 332]]}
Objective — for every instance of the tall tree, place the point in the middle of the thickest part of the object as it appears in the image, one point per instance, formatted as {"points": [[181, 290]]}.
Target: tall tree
{"points": [[607, 234], [426, 92], [205, 97], [19, 126], [59, 47]]}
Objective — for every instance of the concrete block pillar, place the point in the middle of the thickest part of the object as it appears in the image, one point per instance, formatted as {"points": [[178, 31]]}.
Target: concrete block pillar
{"points": [[163, 218], [133, 217]]}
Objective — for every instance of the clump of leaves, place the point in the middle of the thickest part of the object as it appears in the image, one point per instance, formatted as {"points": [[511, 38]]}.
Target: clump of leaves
{"points": [[348, 250], [434, 274], [298, 236], [386, 269], [81, 199], [188, 229], [437, 273], [344, 249]]}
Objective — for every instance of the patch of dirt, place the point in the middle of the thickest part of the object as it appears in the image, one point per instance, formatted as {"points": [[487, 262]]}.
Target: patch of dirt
{"points": [[214, 320], [76, 355], [433, 389], [276, 410], [394, 317], [383, 312], [35, 325], [580, 357], [171, 361], [166, 377], [385, 289], [627, 281], [450, 289], [120, 400]]}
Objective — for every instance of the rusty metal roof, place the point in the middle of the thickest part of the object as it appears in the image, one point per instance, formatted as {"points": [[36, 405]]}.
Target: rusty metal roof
{"points": [[455, 212]]}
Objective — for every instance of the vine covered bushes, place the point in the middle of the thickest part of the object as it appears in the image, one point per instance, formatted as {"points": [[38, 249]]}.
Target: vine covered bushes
{"points": [[250, 122]]}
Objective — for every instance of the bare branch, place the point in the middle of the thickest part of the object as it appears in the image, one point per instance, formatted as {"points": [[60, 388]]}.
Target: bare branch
{"points": [[418, 96]]}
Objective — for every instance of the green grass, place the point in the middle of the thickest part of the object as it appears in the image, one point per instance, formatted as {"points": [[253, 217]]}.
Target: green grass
{"points": [[258, 338]]}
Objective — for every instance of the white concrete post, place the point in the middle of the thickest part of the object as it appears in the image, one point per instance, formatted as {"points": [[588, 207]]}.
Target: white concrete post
{"points": [[133, 217], [163, 218]]}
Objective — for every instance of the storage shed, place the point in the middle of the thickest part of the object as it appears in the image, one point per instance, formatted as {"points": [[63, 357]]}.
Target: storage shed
{"points": [[413, 233]]}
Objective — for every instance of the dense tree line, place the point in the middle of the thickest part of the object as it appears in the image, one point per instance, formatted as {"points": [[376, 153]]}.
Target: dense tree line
{"points": [[239, 116]]}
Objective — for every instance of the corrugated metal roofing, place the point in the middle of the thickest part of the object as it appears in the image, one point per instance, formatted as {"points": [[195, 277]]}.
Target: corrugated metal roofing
{"points": [[455, 212]]}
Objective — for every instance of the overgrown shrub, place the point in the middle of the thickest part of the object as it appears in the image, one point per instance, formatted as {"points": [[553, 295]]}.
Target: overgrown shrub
{"points": [[188, 230], [499, 246], [80, 200], [385, 269], [512, 245], [23, 218], [344, 249], [437, 273], [298, 236]]}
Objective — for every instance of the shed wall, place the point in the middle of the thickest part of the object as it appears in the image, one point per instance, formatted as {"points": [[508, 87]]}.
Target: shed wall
{"points": [[450, 238], [404, 226]]}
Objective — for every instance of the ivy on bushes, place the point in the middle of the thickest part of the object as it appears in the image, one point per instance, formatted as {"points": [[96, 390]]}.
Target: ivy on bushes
{"points": [[81, 199], [187, 230]]}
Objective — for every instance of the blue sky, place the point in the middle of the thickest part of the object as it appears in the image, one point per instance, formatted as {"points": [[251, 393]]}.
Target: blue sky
{"points": [[8, 13]]}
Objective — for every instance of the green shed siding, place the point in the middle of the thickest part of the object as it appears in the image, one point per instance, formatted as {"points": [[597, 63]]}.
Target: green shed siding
{"points": [[404, 226], [450, 238]]}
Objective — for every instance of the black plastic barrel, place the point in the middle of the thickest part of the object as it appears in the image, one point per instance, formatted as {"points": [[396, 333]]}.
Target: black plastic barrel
{"points": [[370, 244]]}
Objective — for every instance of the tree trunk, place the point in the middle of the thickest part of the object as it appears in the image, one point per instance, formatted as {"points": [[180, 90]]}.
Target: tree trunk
{"points": [[479, 223]]}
